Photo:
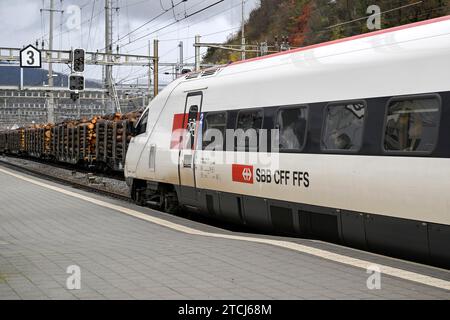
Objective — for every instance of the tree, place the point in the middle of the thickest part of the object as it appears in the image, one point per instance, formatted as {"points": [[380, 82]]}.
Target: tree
{"points": [[308, 22]]}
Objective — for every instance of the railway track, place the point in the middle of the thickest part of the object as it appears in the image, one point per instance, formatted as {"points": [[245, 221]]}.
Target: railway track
{"points": [[118, 175], [67, 182]]}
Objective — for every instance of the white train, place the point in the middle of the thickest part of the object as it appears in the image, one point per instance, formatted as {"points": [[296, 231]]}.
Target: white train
{"points": [[353, 142]]}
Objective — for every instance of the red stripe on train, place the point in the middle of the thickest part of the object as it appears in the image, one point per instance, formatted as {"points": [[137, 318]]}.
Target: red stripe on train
{"points": [[177, 130]]}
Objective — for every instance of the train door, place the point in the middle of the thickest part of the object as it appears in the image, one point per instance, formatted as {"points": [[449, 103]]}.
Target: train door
{"points": [[137, 144], [186, 160]]}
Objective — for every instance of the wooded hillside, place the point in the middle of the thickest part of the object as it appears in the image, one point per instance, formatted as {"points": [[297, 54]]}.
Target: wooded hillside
{"points": [[305, 22]]}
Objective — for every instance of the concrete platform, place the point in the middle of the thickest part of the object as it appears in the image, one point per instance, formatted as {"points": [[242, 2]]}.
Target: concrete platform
{"points": [[128, 252]]}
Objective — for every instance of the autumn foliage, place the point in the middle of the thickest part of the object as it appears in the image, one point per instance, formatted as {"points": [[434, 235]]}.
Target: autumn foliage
{"points": [[306, 22]]}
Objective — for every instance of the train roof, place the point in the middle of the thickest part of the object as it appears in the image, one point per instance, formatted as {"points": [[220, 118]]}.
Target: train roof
{"points": [[397, 61], [347, 39]]}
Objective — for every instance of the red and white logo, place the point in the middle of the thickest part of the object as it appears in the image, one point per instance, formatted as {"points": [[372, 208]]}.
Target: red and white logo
{"points": [[243, 173]]}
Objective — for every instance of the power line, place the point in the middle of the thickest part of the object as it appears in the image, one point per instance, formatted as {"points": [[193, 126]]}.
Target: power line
{"points": [[127, 79], [196, 5], [177, 21], [187, 38], [90, 22], [134, 3], [185, 14], [162, 7], [184, 61], [83, 22], [146, 23], [147, 29], [193, 24], [193, 6], [379, 14], [42, 21], [329, 29], [81, 7], [204, 35], [167, 52], [118, 19]]}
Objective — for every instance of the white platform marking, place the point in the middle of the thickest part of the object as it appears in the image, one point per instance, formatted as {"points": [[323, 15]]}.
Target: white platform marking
{"points": [[324, 254]]}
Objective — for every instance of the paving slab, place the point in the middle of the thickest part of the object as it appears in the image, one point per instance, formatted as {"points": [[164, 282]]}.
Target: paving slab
{"points": [[43, 232]]}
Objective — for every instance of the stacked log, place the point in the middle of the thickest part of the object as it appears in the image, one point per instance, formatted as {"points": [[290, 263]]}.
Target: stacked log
{"points": [[121, 139], [92, 136], [22, 140], [36, 139], [132, 118], [87, 138], [101, 133], [64, 141], [2, 141], [47, 138], [109, 139], [102, 139]]}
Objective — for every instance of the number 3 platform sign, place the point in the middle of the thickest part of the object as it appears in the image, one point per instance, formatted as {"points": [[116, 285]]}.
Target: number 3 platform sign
{"points": [[30, 57]]}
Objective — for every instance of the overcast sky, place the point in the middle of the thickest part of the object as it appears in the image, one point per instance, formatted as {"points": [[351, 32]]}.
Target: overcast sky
{"points": [[22, 23]]}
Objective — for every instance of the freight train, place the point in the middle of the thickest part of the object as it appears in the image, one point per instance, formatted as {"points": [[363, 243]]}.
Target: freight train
{"points": [[99, 143], [347, 141]]}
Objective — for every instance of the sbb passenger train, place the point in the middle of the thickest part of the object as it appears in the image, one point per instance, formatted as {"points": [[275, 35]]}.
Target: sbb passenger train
{"points": [[347, 141]]}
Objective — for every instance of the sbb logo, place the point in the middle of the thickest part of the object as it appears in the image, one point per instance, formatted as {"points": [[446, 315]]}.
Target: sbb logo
{"points": [[243, 173], [247, 174]]}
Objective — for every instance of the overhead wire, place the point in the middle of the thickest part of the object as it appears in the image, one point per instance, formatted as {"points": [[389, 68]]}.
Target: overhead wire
{"points": [[185, 14], [177, 21], [144, 24], [82, 23], [47, 34], [202, 21], [61, 19], [90, 23]]}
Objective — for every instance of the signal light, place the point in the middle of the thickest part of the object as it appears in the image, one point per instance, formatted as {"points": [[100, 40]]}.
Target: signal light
{"points": [[78, 60], [76, 82], [74, 96]]}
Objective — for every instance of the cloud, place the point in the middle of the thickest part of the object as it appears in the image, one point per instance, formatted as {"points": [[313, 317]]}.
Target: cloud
{"points": [[144, 10], [21, 23], [17, 18]]}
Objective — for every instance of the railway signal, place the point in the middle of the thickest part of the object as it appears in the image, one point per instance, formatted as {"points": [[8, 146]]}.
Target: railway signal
{"points": [[74, 96], [78, 58], [76, 82]]}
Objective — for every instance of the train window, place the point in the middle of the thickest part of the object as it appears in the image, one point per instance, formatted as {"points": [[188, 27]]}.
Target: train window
{"points": [[291, 123], [248, 125], [412, 124], [191, 126], [343, 128], [252, 119], [214, 124], [141, 126]]}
